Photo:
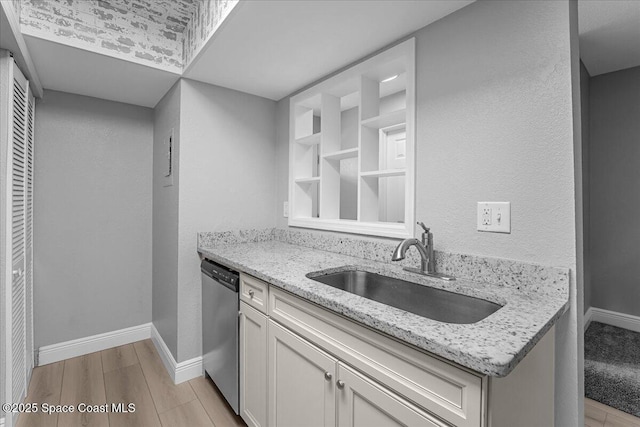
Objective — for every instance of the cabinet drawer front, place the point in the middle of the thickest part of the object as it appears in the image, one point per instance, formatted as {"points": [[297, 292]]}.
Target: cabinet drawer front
{"points": [[454, 394], [254, 292]]}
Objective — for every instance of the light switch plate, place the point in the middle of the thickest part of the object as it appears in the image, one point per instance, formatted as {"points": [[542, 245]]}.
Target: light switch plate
{"points": [[494, 217], [285, 209], [168, 163]]}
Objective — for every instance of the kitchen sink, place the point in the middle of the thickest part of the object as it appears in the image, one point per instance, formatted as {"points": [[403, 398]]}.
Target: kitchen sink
{"points": [[436, 304]]}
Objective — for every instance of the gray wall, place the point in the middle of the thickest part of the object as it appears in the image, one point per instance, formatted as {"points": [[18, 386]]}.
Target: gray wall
{"points": [[495, 122], [615, 195], [166, 116], [226, 156], [92, 222], [586, 193]]}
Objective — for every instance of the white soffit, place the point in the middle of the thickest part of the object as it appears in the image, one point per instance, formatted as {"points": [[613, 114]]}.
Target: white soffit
{"points": [[68, 69], [273, 48], [609, 34]]}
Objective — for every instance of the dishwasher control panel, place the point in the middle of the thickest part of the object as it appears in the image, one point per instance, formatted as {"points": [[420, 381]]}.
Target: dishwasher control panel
{"points": [[220, 272]]}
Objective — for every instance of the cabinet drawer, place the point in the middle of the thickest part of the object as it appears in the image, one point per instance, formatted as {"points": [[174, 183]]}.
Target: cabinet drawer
{"points": [[452, 393], [254, 292]]}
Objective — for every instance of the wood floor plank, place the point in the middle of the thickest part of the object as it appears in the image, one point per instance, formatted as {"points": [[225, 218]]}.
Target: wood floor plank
{"points": [[617, 421], [189, 414], [609, 410], [45, 387], [83, 383], [128, 385], [214, 403], [118, 357], [594, 416], [165, 393]]}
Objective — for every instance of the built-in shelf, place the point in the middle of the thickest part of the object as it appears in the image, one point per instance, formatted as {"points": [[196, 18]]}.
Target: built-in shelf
{"points": [[309, 180], [345, 117], [383, 174], [386, 120], [342, 154], [313, 139]]}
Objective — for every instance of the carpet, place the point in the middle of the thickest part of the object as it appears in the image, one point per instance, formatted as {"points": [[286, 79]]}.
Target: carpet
{"points": [[612, 367]]}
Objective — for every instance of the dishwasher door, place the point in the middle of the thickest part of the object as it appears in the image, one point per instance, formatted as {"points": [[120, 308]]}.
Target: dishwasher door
{"points": [[220, 308]]}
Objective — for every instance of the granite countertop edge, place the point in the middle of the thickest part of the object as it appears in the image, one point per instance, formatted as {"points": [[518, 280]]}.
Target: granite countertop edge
{"points": [[493, 346]]}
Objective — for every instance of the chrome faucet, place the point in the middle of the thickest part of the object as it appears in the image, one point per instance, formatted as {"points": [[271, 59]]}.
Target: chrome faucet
{"points": [[425, 248]]}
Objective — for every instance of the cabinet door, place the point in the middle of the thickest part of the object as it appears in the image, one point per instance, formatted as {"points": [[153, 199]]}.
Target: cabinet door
{"points": [[301, 382], [365, 403], [253, 366]]}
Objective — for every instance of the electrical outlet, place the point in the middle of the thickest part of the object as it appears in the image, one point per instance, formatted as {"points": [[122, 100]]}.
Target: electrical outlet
{"points": [[486, 215], [494, 217], [285, 209]]}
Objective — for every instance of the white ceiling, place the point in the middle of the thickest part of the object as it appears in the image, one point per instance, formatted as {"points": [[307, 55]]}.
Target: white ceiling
{"points": [[272, 48], [69, 69], [609, 34]]}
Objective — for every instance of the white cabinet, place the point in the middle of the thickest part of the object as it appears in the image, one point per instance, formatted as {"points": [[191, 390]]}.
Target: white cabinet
{"points": [[452, 393], [253, 366], [302, 365], [309, 387], [301, 381]]}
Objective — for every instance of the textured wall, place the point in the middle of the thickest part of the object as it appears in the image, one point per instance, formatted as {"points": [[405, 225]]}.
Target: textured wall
{"points": [[92, 217], [495, 122], [615, 195], [144, 31], [164, 34], [207, 17], [166, 116], [227, 157]]}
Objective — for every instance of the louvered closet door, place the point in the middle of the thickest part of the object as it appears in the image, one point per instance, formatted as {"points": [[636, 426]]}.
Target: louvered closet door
{"points": [[18, 244], [17, 106]]}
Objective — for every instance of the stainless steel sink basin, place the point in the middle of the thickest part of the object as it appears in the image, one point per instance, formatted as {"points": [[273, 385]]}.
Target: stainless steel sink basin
{"points": [[422, 300]]}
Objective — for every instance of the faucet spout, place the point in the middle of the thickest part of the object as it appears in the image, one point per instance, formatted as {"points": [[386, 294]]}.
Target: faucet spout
{"points": [[401, 249], [425, 248]]}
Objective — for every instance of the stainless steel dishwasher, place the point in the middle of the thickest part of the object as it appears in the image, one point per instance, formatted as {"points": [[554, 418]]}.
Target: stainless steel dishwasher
{"points": [[220, 328]]}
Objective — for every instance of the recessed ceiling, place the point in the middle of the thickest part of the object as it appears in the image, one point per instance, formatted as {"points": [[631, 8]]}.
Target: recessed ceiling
{"points": [[272, 48], [609, 35], [69, 69]]}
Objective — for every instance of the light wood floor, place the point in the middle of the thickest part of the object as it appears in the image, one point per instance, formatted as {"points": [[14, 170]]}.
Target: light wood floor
{"points": [[598, 415], [132, 373]]}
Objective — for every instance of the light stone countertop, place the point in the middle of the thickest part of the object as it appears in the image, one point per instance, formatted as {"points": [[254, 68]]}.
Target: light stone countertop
{"points": [[492, 346]]}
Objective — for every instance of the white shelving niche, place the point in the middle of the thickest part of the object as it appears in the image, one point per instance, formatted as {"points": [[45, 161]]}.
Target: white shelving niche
{"points": [[352, 148]]}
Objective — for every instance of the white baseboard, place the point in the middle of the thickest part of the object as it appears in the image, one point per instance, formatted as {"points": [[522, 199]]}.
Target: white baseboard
{"points": [[79, 347], [588, 317], [621, 320], [179, 372]]}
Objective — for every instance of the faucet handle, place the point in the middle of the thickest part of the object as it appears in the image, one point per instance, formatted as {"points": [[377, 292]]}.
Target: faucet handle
{"points": [[424, 227]]}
